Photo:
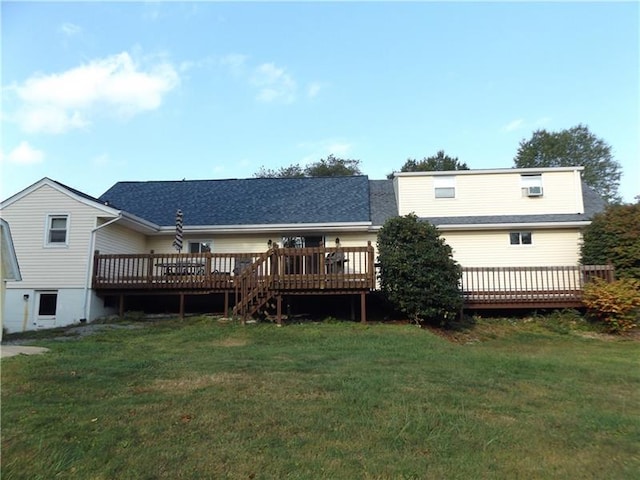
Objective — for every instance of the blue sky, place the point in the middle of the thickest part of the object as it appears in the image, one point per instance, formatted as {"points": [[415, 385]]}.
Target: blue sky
{"points": [[95, 93]]}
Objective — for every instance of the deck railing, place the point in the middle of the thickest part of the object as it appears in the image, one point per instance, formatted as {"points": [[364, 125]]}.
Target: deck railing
{"points": [[290, 269], [520, 286]]}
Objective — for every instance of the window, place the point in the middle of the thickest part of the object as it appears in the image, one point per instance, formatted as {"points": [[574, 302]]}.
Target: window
{"points": [[47, 303], [520, 238], [531, 185], [203, 246], [57, 226], [444, 187]]}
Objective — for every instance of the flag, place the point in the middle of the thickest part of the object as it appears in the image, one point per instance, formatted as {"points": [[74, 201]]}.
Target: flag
{"points": [[178, 240]]}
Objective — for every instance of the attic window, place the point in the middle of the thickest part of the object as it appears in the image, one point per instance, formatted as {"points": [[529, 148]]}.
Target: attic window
{"points": [[444, 187], [57, 226], [520, 238], [531, 185]]}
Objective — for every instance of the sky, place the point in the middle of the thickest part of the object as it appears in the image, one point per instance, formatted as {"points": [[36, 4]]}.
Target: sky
{"points": [[100, 92]]}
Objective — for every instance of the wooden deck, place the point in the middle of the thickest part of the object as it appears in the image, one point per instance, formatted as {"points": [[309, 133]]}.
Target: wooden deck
{"points": [[255, 280], [529, 287]]}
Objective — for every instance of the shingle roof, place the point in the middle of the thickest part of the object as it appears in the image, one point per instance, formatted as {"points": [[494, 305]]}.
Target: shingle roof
{"points": [[382, 199], [254, 201]]}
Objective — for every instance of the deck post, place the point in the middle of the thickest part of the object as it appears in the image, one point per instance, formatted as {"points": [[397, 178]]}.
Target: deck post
{"points": [[226, 304], [352, 304], [363, 307], [279, 310], [182, 306]]}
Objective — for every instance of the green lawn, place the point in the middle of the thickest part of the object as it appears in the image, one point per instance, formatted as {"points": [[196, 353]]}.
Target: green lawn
{"points": [[204, 399]]}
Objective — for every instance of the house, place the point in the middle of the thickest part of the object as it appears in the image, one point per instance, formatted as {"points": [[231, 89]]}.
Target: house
{"points": [[9, 268], [256, 240]]}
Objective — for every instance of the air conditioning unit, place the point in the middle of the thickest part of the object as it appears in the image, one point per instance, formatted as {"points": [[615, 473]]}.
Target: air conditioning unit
{"points": [[534, 191]]}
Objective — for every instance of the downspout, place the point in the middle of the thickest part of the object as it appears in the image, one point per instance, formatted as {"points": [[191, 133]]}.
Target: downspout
{"points": [[92, 246]]}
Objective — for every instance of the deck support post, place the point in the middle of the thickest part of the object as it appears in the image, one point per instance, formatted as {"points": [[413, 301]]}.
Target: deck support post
{"points": [[363, 307], [182, 306], [352, 304], [279, 309], [226, 304], [121, 306]]}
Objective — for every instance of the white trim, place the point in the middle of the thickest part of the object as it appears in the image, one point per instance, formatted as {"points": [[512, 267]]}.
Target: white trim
{"points": [[275, 228], [489, 171], [514, 226]]}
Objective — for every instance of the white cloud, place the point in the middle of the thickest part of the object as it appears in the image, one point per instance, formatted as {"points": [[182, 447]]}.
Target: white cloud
{"points": [[274, 84], [339, 148], [235, 62], [114, 85], [514, 125], [25, 154], [313, 89], [70, 29]]}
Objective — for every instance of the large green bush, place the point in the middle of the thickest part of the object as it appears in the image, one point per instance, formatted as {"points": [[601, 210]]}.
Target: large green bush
{"points": [[614, 237], [418, 274]]}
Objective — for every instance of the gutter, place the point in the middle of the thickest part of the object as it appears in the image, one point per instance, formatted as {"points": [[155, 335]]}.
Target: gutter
{"points": [[510, 226], [272, 228], [92, 245]]}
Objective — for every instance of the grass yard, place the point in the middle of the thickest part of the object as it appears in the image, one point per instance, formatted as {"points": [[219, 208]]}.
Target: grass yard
{"points": [[205, 399]]}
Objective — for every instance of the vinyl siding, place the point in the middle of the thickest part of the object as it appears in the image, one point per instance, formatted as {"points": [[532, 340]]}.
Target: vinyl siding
{"points": [[50, 267], [492, 248], [490, 194], [115, 238]]}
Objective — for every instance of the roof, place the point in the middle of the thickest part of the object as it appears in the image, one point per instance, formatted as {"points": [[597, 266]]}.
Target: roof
{"points": [[254, 201], [382, 199]]}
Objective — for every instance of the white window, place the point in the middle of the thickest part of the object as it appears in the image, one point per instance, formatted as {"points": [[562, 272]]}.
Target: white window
{"points": [[444, 187], [531, 185], [200, 246], [520, 238], [57, 230]]}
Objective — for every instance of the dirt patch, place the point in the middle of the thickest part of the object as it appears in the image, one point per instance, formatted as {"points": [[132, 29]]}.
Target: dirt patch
{"points": [[192, 383]]}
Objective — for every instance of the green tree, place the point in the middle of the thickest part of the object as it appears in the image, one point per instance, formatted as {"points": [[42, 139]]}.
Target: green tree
{"points": [[573, 147], [326, 167], [418, 274], [435, 163], [614, 236]]}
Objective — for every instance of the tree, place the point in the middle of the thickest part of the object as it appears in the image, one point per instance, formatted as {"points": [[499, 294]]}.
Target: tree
{"points": [[573, 147], [435, 163], [418, 274], [330, 167], [614, 236]]}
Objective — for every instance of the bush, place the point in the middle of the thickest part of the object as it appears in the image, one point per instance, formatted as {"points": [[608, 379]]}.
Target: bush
{"points": [[418, 274], [617, 304]]}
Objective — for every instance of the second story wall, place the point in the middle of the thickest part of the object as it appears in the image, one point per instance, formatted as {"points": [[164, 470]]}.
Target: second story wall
{"points": [[490, 192], [51, 260]]}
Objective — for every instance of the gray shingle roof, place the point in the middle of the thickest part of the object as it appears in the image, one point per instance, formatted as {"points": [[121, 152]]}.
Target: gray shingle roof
{"points": [[254, 201], [382, 199]]}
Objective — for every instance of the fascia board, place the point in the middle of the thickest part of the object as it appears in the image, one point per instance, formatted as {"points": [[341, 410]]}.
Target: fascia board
{"points": [[277, 228], [511, 226], [489, 171]]}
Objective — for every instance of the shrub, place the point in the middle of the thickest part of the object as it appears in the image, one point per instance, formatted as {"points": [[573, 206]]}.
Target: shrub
{"points": [[617, 304], [418, 274]]}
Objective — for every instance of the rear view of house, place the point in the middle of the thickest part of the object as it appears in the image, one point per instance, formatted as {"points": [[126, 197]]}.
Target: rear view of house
{"points": [[255, 240]]}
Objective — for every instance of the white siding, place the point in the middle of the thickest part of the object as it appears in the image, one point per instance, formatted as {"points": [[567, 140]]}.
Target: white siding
{"points": [[490, 194], [53, 267], [492, 248], [115, 238]]}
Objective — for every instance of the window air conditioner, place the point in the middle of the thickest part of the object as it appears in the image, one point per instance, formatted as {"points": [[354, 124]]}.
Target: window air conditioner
{"points": [[534, 191]]}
